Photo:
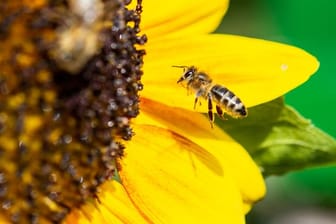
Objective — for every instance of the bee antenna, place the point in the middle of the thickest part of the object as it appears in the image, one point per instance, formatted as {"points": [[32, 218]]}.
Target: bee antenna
{"points": [[180, 66]]}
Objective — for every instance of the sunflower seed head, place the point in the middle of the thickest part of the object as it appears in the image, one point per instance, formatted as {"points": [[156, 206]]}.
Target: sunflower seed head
{"points": [[69, 80]]}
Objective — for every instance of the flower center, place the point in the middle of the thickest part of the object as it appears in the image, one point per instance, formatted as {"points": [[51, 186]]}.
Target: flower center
{"points": [[69, 80]]}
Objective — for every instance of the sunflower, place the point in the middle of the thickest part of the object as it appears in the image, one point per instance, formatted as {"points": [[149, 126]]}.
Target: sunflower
{"points": [[176, 168]]}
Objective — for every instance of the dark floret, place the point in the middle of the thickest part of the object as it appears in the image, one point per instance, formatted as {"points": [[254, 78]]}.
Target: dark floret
{"points": [[59, 122]]}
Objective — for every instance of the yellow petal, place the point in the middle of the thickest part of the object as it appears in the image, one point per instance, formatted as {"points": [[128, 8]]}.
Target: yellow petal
{"points": [[173, 180], [182, 17], [247, 207], [114, 206], [196, 127], [257, 71]]}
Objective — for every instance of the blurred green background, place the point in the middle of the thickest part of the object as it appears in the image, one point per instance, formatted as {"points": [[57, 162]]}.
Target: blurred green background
{"points": [[309, 196]]}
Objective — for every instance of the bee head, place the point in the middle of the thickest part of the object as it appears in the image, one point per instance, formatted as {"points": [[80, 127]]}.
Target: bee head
{"points": [[189, 72]]}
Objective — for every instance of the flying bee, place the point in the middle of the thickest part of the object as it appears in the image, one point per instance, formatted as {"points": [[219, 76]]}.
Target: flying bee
{"points": [[224, 99]]}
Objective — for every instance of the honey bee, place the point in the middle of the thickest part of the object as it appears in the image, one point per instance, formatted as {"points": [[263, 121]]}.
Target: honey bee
{"points": [[79, 36], [225, 100]]}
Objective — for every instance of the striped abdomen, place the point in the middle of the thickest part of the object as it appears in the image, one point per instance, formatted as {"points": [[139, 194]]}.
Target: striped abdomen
{"points": [[228, 101]]}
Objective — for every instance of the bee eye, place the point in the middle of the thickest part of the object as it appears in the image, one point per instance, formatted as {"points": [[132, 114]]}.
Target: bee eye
{"points": [[188, 74]]}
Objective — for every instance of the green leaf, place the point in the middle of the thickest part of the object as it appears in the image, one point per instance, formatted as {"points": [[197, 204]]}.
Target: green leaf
{"points": [[280, 140]]}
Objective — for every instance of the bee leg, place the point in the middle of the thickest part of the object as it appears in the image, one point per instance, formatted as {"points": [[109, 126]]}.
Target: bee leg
{"points": [[198, 94], [195, 102], [210, 112], [188, 91], [220, 112], [188, 87]]}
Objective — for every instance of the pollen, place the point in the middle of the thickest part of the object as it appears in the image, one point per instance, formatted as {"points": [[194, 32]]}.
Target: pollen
{"points": [[284, 67], [66, 101]]}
